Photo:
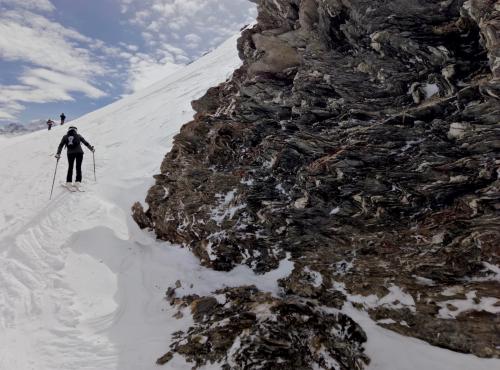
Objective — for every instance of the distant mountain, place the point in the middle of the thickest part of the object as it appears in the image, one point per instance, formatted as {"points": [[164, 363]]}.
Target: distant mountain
{"points": [[15, 128]]}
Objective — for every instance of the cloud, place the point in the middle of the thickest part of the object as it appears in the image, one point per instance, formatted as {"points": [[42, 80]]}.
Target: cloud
{"points": [[39, 5], [192, 38], [42, 42], [9, 109], [55, 82], [202, 24], [58, 60], [178, 31], [42, 86]]}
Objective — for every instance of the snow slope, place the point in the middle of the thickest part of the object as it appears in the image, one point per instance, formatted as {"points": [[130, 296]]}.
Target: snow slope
{"points": [[81, 287]]}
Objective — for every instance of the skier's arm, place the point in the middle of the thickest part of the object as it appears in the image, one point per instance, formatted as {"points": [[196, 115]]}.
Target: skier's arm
{"points": [[61, 145], [86, 143]]}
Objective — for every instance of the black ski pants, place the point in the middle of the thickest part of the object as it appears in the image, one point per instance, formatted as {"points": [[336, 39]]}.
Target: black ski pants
{"points": [[71, 161]]}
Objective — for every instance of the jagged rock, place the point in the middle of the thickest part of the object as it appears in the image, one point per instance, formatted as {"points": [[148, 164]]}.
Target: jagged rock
{"points": [[278, 55], [164, 359], [140, 217], [363, 140], [247, 329]]}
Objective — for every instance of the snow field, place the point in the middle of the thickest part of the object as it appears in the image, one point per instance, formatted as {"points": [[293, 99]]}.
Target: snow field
{"points": [[82, 286]]}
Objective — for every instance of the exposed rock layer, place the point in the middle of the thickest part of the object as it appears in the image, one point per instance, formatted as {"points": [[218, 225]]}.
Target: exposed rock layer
{"points": [[362, 137]]}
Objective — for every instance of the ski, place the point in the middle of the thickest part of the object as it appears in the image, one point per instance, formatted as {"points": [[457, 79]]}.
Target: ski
{"points": [[69, 188]]}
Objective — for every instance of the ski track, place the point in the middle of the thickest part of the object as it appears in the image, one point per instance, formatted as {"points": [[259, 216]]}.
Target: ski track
{"points": [[82, 287]]}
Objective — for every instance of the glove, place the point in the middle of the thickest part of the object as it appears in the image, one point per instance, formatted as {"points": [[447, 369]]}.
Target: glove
{"points": [[92, 149], [58, 156]]}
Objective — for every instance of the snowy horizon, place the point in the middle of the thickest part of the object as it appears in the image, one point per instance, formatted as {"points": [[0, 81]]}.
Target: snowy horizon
{"points": [[68, 56]]}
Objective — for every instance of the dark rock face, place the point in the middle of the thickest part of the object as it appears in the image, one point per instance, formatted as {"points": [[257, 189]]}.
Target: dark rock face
{"points": [[362, 137], [248, 329]]}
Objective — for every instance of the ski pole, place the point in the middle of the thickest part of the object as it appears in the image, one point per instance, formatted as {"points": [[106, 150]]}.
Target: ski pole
{"points": [[93, 157], [54, 181]]}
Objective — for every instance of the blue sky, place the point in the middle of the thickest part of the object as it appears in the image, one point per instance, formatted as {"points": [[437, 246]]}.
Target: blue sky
{"points": [[75, 56]]}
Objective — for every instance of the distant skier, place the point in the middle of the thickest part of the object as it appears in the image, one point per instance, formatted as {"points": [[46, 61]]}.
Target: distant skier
{"points": [[50, 123], [63, 118], [72, 142]]}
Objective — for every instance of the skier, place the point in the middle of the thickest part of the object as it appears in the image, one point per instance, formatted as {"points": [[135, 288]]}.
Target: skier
{"points": [[50, 123], [63, 118], [72, 142]]}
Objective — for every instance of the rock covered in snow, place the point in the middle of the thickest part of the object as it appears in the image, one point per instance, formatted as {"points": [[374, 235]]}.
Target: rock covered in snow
{"points": [[363, 139]]}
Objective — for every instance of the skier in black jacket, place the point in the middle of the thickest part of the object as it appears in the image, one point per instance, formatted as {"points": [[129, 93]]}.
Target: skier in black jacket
{"points": [[72, 141]]}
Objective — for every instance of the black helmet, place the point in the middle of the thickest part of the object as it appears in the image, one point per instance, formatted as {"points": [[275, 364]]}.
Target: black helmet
{"points": [[72, 128]]}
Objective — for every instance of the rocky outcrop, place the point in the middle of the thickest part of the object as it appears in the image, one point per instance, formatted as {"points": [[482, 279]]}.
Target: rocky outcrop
{"points": [[362, 138], [242, 328]]}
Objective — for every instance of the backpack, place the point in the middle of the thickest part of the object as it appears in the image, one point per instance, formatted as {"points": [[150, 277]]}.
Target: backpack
{"points": [[73, 139]]}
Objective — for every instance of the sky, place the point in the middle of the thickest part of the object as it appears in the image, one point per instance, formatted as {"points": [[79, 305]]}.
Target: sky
{"points": [[74, 56]]}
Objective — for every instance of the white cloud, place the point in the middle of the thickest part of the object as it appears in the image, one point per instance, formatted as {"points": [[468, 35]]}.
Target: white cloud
{"points": [[10, 108], [58, 60], [200, 22], [177, 31], [42, 86], [45, 79], [39, 5], [192, 38], [42, 42]]}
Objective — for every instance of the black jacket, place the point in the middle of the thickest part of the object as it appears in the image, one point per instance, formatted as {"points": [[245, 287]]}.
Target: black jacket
{"points": [[72, 142]]}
